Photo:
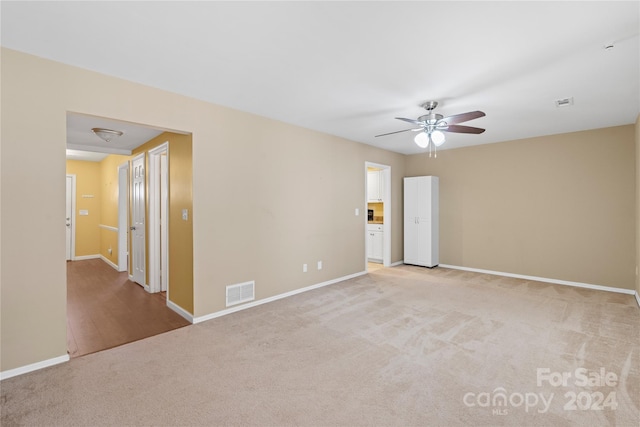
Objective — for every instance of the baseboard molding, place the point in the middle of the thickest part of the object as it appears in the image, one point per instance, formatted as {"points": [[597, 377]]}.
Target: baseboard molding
{"points": [[181, 311], [544, 279], [83, 257], [108, 261], [394, 264], [145, 286], [108, 227], [33, 367], [638, 298], [221, 313]]}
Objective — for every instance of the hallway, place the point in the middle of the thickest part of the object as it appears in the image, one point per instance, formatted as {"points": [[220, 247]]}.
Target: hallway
{"points": [[105, 309]]}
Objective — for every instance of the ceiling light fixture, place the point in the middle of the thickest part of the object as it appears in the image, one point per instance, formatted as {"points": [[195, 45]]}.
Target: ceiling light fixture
{"points": [[106, 134], [431, 127], [422, 140], [430, 136]]}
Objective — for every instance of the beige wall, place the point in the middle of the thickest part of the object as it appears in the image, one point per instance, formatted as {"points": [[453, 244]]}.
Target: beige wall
{"points": [[267, 197], [559, 207]]}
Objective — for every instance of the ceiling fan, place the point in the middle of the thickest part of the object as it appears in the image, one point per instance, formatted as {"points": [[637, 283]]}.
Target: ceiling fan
{"points": [[432, 126]]}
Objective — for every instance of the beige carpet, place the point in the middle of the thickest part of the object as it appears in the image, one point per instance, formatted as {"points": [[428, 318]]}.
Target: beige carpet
{"points": [[402, 346]]}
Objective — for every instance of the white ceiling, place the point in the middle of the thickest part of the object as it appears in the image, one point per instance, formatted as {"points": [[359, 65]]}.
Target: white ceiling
{"points": [[349, 68], [83, 144]]}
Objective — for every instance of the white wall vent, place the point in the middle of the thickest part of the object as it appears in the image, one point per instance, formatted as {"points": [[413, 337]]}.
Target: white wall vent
{"points": [[242, 292]]}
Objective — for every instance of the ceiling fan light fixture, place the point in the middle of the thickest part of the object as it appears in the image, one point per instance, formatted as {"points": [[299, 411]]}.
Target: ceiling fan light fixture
{"points": [[106, 134], [422, 140], [437, 138]]}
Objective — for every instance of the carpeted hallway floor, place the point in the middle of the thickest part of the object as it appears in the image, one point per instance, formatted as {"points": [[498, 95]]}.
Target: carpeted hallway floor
{"points": [[402, 346]]}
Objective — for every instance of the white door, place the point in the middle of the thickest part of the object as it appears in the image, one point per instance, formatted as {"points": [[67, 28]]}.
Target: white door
{"points": [[69, 217], [421, 221], [410, 222], [158, 274], [138, 220]]}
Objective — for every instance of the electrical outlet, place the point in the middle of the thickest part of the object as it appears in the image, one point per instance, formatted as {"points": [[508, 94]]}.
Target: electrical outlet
{"points": [[304, 268], [319, 265]]}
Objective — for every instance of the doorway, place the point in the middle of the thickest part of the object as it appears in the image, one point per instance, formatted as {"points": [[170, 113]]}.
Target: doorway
{"points": [[378, 229], [105, 307]]}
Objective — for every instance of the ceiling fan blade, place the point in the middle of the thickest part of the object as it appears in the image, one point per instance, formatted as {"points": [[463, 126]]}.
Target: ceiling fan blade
{"points": [[462, 129], [459, 118], [398, 131], [415, 122]]}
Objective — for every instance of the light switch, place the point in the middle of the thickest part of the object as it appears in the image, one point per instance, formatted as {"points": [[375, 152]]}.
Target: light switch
{"points": [[185, 214], [84, 212], [357, 211]]}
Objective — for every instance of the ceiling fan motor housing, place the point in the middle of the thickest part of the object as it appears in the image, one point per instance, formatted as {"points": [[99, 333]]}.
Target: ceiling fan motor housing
{"points": [[430, 118]]}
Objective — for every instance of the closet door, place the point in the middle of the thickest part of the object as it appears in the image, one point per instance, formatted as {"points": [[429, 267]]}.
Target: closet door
{"points": [[411, 229], [421, 221]]}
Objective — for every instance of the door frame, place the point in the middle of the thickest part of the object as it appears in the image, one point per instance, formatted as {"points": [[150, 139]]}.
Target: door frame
{"points": [[123, 217], [72, 244], [158, 235], [386, 211]]}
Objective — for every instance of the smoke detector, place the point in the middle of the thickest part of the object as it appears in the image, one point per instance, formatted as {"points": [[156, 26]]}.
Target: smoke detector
{"points": [[564, 102]]}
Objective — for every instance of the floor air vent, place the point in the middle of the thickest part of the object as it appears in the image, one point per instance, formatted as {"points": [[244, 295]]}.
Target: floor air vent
{"points": [[242, 292]]}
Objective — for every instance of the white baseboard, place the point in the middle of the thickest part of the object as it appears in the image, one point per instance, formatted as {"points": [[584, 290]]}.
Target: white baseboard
{"points": [[638, 299], [544, 279], [221, 313], [83, 257], [33, 367], [145, 286], [394, 264], [108, 261], [181, 311]]}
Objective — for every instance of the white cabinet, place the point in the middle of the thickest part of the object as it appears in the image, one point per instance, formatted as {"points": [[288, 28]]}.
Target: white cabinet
{"points": [[421, 221], [374, 242], [375, 186]]}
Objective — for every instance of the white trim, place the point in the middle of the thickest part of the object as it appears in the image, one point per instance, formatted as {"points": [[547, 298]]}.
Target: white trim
{"points": [[83, 257], [544, 279], [145, 286], [108, 227], [33, 367], [395, 264], [274, 298], [638, 298], [181, 311], [108, 261]]}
